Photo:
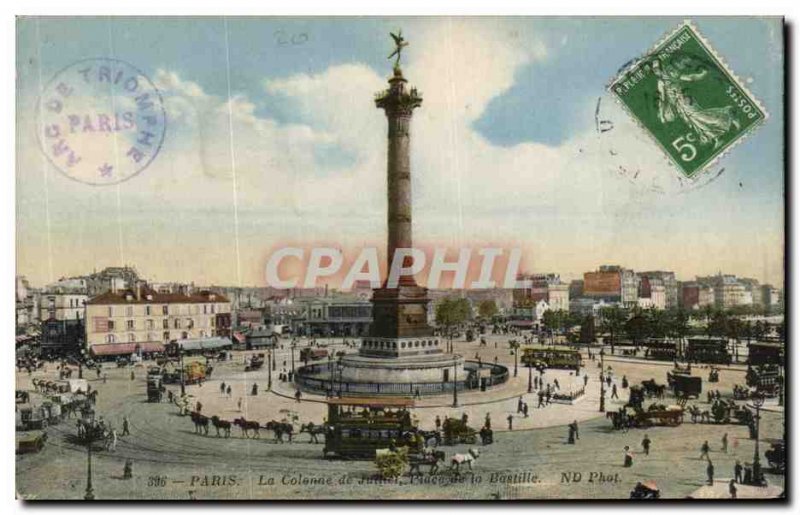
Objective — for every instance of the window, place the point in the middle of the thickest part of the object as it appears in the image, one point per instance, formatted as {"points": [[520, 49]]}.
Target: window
{"points": [[129, 311], [165, 310], [189, 323], [131, 338], [177, 323], [110, 338], [166, 324], [213, 310], [213, 322], [149, 324], [110, 325], [166, 335], [205, 309], [129, 324], [110, 311], [148, 310]]}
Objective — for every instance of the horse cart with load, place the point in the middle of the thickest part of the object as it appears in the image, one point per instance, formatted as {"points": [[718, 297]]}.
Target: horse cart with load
{"points": [[31, 442], [457, 431], [658, 415], [684, 385]]}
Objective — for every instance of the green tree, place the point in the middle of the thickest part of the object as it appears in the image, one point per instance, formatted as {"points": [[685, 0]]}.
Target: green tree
{"points": [[451, 312], [612, 321], [487, 309]]}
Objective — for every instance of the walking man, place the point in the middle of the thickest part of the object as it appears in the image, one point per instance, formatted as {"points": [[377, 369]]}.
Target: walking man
{"points": [[585, 379], [704, 450], [525, 409], [125, 426], [228, 391], [732, 488], [510, 421], [541, 399], [710, 472], [646, 445], [519, 404], [488, 421], [737, 471], [725, 443], [614, 394], [438, 423]]}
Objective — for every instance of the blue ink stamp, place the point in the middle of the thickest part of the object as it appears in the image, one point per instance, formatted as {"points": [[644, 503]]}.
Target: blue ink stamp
{"points": [[101, 121]]}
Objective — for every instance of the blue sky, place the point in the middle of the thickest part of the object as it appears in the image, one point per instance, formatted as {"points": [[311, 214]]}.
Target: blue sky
{"points": [[547, 100]]}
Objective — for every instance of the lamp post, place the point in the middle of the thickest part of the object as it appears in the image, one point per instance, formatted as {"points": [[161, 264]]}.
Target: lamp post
{"points": [[455, 383], [530, 377], [758, 477], [269, 369], [602, 382], [294, 343], [89, 437], [182, 371], [330, 367]]}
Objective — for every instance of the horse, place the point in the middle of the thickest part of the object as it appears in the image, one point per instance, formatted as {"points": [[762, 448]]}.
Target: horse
{"points": [[313, 430], [280, 428], [458, 459], [221, 424], [200, 422], [246, 426], [429, 457]]}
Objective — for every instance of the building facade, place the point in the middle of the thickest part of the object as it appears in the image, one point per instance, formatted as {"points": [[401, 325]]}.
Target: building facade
{"points": [[145, 315], [670, 283]]}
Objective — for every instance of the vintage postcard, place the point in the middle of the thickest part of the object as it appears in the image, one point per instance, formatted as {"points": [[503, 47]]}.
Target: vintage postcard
{"points": [[400, 258]]}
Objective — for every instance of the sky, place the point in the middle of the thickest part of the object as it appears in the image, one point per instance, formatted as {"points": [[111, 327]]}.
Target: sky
{"points": [[272, 139]]}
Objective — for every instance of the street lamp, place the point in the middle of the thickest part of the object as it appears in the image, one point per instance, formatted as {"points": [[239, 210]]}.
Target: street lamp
{"points": [[269, 369], [330, 367], [455, 383], [182, 371], [90, 434], [530, 377], [758, 477], [294, 343], [602, 382]]}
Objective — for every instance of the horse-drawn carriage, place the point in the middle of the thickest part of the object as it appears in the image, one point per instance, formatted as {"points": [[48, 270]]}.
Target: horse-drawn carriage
{"points": [[684, 385], [29, 417], [766, 379], [256, 362], [457, 431], [653, 389], [776, 455], [357, 427], [155, 387], [658, 415], [31, 442]]}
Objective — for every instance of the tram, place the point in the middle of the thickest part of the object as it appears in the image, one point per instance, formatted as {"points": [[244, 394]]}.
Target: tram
{"points": [[357, 426], [552, 357]]}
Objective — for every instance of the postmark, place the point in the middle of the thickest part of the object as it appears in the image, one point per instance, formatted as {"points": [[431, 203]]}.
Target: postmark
{"points": [[101, 121], [687, 99]]}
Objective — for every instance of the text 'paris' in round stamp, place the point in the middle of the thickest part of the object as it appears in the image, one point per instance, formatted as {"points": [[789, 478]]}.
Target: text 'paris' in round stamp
{"points": [[101, 121]]}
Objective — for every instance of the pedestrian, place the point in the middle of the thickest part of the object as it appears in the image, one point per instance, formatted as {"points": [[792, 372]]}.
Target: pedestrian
{"points": [[737, 471], [228, 391], [297, 395], [525, 409], [536, 382], [628, 458], [646, 445], [132, 376], [254, 391], [519, 404], [127, 471], [555, 384], [704, 449], [199, 407], [438, 423], [732, 488], [608, 380], [98, 372], [585, 379], [624, 382], [573, 432], [488, 421], [125, 426], [222, 387], [547, 395], [614, 394], [105, 378], [710, 472], [725, 443], [510, 419], [239, 404], [541, 399]]}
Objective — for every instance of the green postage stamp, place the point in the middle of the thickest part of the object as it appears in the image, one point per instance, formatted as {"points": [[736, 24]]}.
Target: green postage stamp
{"points": [[685, 96]]}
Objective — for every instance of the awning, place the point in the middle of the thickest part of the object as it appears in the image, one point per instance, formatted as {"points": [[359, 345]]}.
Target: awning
{"points": [[122, 349], [195, 344]]}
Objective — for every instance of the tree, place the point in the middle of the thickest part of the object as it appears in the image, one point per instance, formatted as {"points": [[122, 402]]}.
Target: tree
{"points": [[612, 320], [487, 309], [451, 312]]}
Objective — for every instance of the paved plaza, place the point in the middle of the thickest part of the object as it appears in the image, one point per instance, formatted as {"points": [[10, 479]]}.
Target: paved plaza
{"points": [[533, 460]]}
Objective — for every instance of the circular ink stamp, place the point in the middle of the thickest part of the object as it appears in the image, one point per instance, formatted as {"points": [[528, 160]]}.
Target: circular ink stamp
{"points": [[101, 121]]}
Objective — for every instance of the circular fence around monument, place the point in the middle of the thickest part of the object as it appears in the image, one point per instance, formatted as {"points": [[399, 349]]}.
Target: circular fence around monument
{"points": [[312, 378]]}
